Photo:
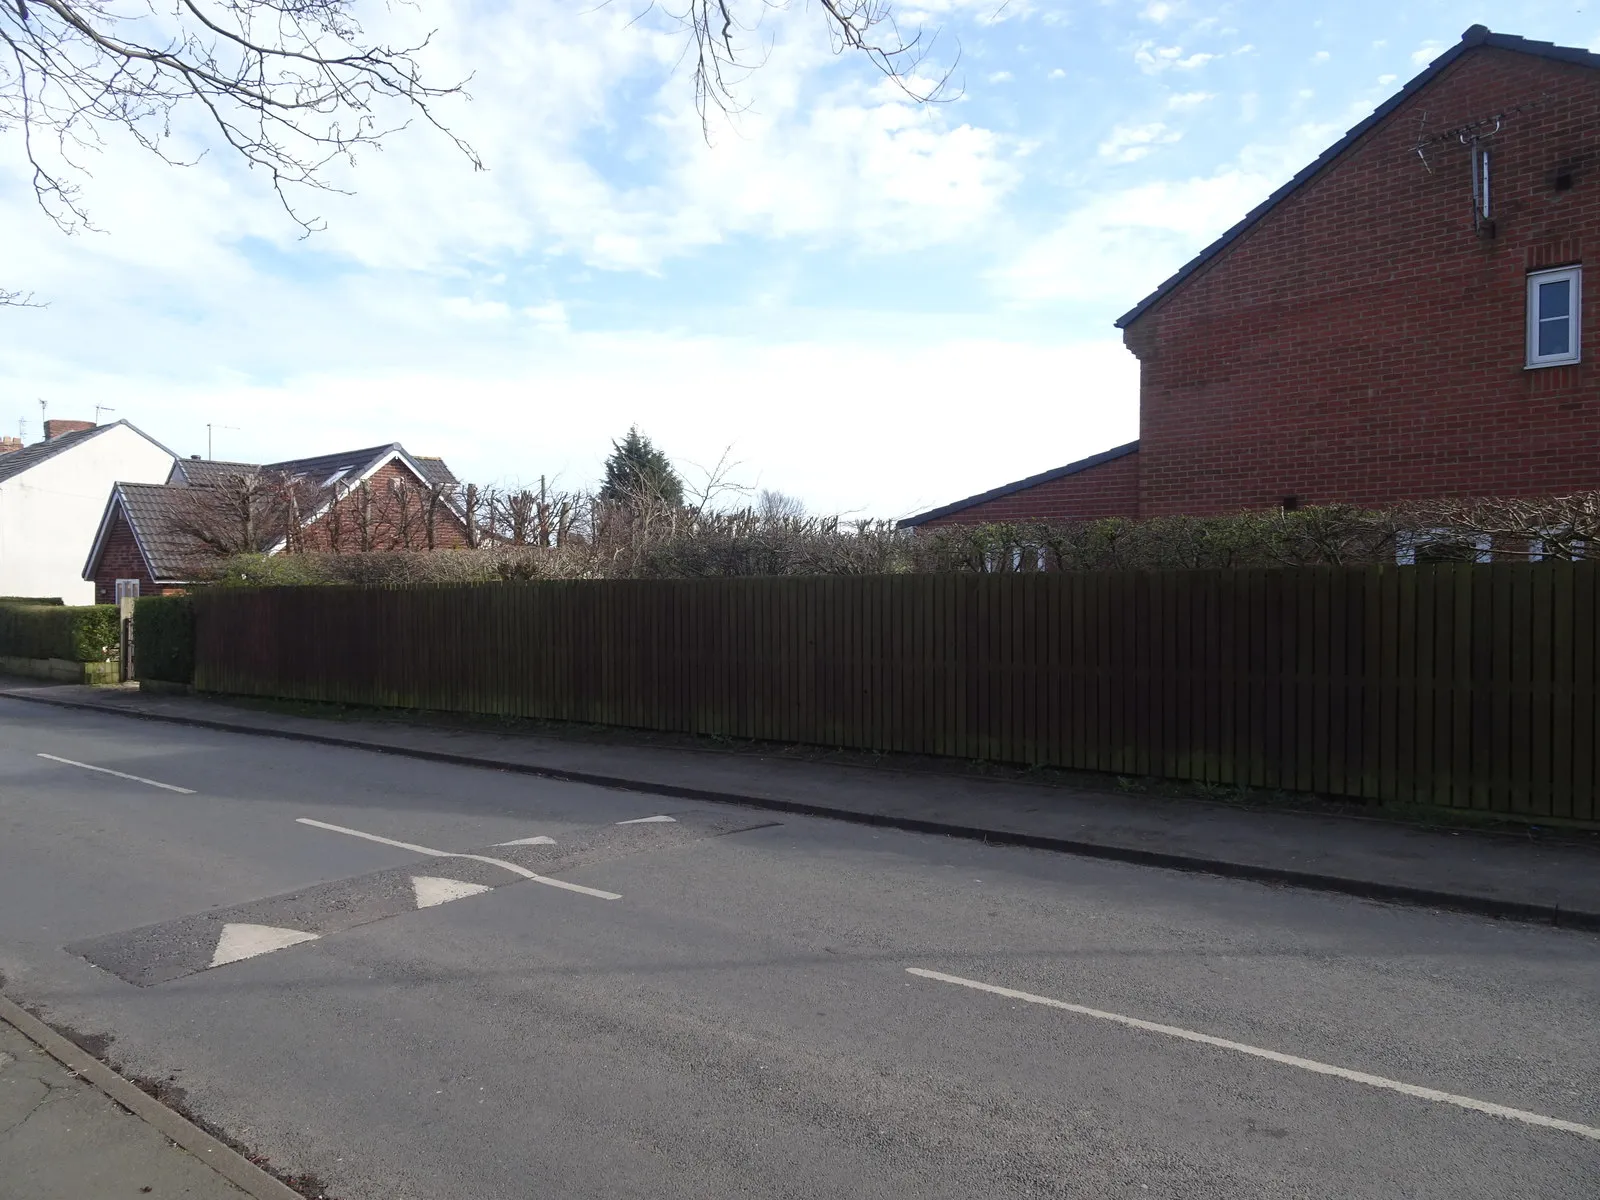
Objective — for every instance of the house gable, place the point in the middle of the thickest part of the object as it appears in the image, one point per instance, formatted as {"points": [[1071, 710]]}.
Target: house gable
{"points": [[118, 556], [1364, 342], [1475, 37], [141, 521]]}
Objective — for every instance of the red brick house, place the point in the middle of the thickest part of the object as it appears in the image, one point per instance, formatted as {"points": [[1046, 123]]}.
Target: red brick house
{"points": [[1403, 319], [152, 537]]}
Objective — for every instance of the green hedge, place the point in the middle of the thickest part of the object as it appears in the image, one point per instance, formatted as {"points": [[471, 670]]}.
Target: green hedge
{"points": [[42, 630], [31, 600], [163, 638]]}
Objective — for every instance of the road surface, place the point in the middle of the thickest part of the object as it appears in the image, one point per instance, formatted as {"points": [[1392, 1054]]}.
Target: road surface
{"points": [[418, 980]]}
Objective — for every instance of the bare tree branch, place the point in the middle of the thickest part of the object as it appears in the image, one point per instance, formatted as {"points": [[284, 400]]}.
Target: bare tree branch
{"points": [[289, 85], [726, 47]]}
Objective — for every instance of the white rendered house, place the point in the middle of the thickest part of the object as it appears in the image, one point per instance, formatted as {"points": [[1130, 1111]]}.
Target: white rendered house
{"points": [[52, 495]]}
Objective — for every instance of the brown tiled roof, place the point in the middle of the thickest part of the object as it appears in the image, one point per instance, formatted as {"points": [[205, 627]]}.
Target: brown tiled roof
{"points": [[156, 513]]}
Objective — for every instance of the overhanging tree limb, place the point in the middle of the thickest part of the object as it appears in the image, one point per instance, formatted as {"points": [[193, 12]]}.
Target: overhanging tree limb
{"points": [[289, 85]]}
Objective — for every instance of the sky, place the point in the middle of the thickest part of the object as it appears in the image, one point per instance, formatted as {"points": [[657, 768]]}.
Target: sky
{"points": [[871, 304]]}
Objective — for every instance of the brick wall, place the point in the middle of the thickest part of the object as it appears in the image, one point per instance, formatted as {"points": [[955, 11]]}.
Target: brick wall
{"points": [[1110, 489], [1362, 343], [121, 559], [396, 521]]}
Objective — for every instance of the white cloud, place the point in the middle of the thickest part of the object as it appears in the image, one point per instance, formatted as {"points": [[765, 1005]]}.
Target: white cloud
{"points": [[550, 316], [1184, 101], [1386, 80], [1157, 11], [853, 163], [922, 13], [506, 410], [1001, 77], [1129, 143], [1321, 56], [476, 310], [1058, 73], [1154, 59], [1119, 246], [1427, 52]]}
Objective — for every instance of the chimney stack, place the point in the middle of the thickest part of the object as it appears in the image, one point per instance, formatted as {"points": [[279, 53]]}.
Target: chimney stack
{"points": [[54, 429], [8, 444]]}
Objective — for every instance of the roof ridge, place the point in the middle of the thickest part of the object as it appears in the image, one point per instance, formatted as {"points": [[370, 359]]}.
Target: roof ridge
{"points": [[1006, 489]]}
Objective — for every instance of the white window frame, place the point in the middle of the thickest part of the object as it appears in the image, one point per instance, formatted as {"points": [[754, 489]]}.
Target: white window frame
{"points": [[128, 588], [1574, 352], [1536, 550], [1409, 541]]}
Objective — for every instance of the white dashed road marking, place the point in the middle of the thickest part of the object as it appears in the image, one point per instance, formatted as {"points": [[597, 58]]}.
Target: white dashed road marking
{"points": [[1288, 1060], [246, 941], [541, 840], [171, 787], [431, 890], [650, 821], [597, 893]]}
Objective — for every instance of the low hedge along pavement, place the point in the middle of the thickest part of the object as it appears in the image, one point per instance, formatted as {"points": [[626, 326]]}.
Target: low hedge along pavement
{"points": [[39, 629]]}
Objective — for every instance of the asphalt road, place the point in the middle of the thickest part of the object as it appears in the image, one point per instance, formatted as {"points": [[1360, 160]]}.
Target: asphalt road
{"points": [[721, 1006]]}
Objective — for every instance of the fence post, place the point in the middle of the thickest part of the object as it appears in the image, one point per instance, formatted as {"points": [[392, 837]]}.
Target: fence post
{"points": [[126, 668]]}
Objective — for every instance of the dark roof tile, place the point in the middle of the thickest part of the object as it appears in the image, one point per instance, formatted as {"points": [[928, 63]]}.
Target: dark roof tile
{"points": [[206, 472], [1072, 468], [18, 461], [156, 513]]}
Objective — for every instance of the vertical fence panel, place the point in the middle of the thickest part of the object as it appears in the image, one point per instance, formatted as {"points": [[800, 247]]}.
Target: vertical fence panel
{"points": [[1451, 684], [1541, 676], [1585, 702], [1561, 664], [1522, 617]]}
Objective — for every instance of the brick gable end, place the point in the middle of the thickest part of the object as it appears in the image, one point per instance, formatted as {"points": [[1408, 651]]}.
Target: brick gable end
{"points": [[1363, 343]]}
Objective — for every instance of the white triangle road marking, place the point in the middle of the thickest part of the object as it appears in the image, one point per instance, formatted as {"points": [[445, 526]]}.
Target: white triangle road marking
{"points": [[432, 890], [541, 840], [240, 941], [649, 821]]}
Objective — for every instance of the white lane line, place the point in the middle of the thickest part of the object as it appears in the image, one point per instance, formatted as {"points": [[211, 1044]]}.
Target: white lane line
{"points": [[171, 787], [1289, 1060], [650, 821], [496, 862], [541, 840]]}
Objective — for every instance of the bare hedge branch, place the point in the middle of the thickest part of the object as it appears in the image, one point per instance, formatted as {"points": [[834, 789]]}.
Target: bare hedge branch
{"points": [[548, 535]]}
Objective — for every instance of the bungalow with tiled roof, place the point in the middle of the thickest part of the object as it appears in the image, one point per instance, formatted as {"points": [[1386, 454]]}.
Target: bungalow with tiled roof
{"points": [[162, 538]]}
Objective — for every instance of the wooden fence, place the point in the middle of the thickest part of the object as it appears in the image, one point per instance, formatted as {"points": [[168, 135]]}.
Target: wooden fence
{"points": [[1462, 685]]}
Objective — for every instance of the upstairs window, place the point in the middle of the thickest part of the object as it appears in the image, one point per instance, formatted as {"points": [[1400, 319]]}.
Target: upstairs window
{"points": [[1554, 299]]}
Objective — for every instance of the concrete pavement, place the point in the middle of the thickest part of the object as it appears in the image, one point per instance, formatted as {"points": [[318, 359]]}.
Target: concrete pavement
{"points": [[701, 1008], [1527, 875], [61, 1139]]}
